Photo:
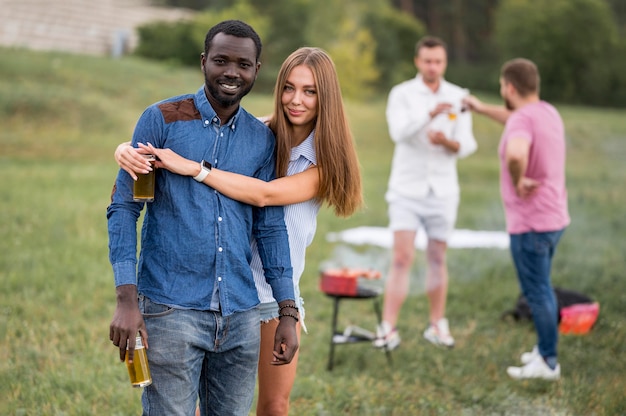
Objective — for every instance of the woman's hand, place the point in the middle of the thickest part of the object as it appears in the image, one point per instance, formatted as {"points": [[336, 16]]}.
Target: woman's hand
{"points": [[172, 161], [131, 160]]}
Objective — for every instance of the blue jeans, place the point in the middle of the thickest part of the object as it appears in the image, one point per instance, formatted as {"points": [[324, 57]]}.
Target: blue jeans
{"points": [[532, 254], [200, 353]]}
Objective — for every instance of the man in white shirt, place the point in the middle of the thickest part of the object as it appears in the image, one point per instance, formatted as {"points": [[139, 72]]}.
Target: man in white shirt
{"points": [[431, 130]]}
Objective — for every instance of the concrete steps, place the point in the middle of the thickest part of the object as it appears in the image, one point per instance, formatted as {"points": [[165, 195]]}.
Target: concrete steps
{"points": [[95, 27]]}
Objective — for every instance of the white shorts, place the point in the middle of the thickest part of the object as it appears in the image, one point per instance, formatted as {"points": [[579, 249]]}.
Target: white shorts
{"points": [[437, 215]]}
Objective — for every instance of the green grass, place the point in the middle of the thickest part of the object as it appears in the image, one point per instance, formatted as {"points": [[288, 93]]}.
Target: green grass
{"points": [[61, 117]]}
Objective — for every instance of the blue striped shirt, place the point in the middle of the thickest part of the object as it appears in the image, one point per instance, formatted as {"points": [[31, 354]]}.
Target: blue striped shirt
{"points": [[301, 222]]}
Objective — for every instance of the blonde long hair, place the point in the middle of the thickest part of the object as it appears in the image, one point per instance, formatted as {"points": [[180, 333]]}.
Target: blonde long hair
{"points": [[338, 165]]}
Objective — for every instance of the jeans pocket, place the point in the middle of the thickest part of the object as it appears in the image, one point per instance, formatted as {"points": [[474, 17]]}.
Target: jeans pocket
{"points": [[151, 309], [536, 243]]}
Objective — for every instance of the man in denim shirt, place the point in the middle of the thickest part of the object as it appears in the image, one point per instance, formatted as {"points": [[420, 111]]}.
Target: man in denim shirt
{"points": [[193, 299]]}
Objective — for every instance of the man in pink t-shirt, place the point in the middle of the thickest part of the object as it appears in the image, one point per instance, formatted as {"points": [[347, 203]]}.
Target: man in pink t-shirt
{"points": [[532, 185], [536, 129]]}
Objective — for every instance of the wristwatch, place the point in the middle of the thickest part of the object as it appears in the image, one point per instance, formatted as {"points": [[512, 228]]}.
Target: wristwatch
{"points": [[204, 171]]}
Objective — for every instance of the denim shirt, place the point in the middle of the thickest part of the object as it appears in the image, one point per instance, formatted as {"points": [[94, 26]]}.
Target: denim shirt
{"points": [[195, 242]]}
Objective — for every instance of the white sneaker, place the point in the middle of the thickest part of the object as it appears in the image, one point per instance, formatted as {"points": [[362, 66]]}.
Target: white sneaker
{"points": [[386, 337], [537, 368], [439, 334], [527, 357]]}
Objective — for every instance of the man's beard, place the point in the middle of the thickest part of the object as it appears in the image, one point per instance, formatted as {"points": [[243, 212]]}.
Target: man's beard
{"points": [[226, 100], [508, 104]]}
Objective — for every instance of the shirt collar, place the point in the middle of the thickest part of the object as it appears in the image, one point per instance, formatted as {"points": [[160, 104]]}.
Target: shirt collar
{"points": [[423, 88], [305, 149], [209, 116]]}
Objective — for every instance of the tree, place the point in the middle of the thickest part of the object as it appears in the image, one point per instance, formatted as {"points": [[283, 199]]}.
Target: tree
{"points": [[240, 10], [168, 41], [371, 43], [288, 21], [465, 25], [353, 53], [569, 40], [395, 34]]}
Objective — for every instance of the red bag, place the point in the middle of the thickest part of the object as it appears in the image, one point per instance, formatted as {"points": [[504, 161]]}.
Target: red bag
{"points": [[579, 318]]}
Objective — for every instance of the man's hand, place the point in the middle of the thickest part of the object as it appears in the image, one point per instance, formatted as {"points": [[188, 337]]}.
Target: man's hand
{"points": [[439, 109], [472, 103], [526, 187], [127, 322], [437, 138], [498, 113], [286, 337]]}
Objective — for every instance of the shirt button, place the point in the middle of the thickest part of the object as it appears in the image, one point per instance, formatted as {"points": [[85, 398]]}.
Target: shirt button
{"points": [[219, 219], [220, 249], [206, 122], [219, 278], [221, 134]]}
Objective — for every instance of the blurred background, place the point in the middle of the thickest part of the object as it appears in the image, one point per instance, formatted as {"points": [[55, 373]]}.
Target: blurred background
{"points": [[578, 44], [76, 74]]}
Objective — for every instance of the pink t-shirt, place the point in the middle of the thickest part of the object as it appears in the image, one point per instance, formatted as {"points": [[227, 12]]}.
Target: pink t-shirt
{"points": [[540, 124]]}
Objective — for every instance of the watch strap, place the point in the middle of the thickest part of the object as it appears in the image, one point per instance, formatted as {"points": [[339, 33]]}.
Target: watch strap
{"points": [[204, 172]]}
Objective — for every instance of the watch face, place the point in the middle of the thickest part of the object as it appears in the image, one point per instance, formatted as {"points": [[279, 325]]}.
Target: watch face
{"points": [[206, 165]]}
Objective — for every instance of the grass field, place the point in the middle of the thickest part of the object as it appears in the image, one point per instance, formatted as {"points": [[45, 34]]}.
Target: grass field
{"points": [[61, 117]]}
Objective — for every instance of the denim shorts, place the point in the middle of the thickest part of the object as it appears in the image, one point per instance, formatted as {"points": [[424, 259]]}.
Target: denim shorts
{"points": [[269, 311]]}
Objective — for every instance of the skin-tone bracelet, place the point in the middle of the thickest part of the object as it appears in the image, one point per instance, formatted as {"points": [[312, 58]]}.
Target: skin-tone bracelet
{"points": [[291, 315]]}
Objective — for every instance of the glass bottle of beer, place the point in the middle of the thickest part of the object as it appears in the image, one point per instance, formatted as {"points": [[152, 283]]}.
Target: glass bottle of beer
{"points": [[139, 370]]}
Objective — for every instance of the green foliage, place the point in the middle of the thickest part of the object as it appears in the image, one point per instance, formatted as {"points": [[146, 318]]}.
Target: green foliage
{"points": [[173, 42], [395, 34], [289, 20], [337, 29], [579, 44], [239, 10], [189, 4], [182, 42], [353, 54], [371, 44], [481, 77], [56, 284], [570, 40]]}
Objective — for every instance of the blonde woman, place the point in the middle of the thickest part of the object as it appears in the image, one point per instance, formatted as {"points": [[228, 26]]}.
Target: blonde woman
{"points": [[316, 164]]}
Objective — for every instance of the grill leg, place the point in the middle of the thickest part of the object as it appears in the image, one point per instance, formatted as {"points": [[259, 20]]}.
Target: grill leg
{"points": [[380, 321], [333, 329]]}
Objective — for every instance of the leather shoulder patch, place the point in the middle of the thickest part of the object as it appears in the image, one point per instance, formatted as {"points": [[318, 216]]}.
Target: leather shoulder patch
{"points": [[184, 110]]}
